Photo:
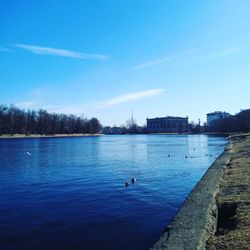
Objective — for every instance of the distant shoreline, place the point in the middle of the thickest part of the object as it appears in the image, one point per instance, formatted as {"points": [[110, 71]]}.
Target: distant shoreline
{"points": [[21, 136]]}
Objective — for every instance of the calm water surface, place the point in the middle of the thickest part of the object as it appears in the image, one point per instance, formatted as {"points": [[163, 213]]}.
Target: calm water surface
{"points": [[70, 194]]}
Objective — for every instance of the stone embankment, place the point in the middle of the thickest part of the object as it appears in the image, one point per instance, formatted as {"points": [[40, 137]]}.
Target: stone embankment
{"points": [[216, 214]]}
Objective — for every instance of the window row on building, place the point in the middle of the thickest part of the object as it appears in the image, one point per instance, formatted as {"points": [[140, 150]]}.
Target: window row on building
{"points": [[168, 124]]}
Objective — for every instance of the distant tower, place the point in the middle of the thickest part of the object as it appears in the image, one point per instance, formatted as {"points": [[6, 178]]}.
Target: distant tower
{"points": [[132, 118]]}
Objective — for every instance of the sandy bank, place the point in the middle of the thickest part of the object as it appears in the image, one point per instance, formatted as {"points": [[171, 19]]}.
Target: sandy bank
{"points": [[205, 219], [16, 136]]}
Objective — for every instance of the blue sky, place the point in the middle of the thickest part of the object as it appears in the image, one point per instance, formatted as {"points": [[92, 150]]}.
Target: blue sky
{"points": [[106, 58]]}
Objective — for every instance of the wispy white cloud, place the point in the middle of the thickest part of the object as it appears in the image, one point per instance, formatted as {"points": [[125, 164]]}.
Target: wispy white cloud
{"points": [[37, 104], [130, 97], [61, 52], [34, 98], [94, 106], [159, 61], [205, 57], [222, 53], [77, 109], [39, 91], [29, 104]]}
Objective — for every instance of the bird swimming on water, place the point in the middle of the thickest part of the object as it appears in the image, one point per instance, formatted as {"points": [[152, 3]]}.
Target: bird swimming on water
{"points": [[133, 180], [127, 183]]}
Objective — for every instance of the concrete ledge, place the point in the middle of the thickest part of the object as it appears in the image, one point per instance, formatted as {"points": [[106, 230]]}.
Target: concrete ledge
{"points": [[196, 220]]}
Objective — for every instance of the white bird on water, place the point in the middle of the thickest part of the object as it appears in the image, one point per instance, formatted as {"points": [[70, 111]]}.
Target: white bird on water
{"points": [[28, 153]]}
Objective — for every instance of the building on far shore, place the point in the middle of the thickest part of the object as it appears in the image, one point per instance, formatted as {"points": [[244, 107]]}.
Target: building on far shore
{"points": [[113, 130], [168, 124], [214, 116]]}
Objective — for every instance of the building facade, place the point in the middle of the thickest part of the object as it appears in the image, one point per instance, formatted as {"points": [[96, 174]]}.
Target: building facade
{"points": [[214, 116], [168, 124], [113, 130]]}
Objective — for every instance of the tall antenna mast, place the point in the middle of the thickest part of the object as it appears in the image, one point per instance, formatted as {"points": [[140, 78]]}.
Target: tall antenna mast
{"points": [[132, 118]]}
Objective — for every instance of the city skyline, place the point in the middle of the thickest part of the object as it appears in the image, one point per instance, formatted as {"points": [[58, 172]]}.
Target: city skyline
{"points": [[105, 59]]}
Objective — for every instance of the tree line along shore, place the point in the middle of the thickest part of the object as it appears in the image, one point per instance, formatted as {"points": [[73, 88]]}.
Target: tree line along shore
{"points": [[15, 122], [233, 124]]}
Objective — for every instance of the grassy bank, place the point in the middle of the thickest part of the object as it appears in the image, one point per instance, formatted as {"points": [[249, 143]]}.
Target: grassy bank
{"points": [[16, 136]]}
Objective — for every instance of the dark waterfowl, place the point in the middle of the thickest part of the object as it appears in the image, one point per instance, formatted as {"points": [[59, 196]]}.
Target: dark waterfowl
{"points": [[133, 180]]}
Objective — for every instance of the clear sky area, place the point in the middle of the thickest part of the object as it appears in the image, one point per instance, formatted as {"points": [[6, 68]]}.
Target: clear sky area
{"points": [[106, 58]]}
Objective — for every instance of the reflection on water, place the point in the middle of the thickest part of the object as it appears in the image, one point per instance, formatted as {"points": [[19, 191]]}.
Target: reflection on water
{"points": [[70, 193]]}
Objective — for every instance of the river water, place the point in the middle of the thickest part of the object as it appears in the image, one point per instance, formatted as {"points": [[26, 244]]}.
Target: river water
{"points": [[69, 193]]}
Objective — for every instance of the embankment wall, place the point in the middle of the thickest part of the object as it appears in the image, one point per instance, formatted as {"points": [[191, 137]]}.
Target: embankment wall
{"points": [[196, 220]]}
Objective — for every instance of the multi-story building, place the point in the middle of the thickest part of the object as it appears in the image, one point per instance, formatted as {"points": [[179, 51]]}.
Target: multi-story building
{"points": [[214, 116], [168, 124]]}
